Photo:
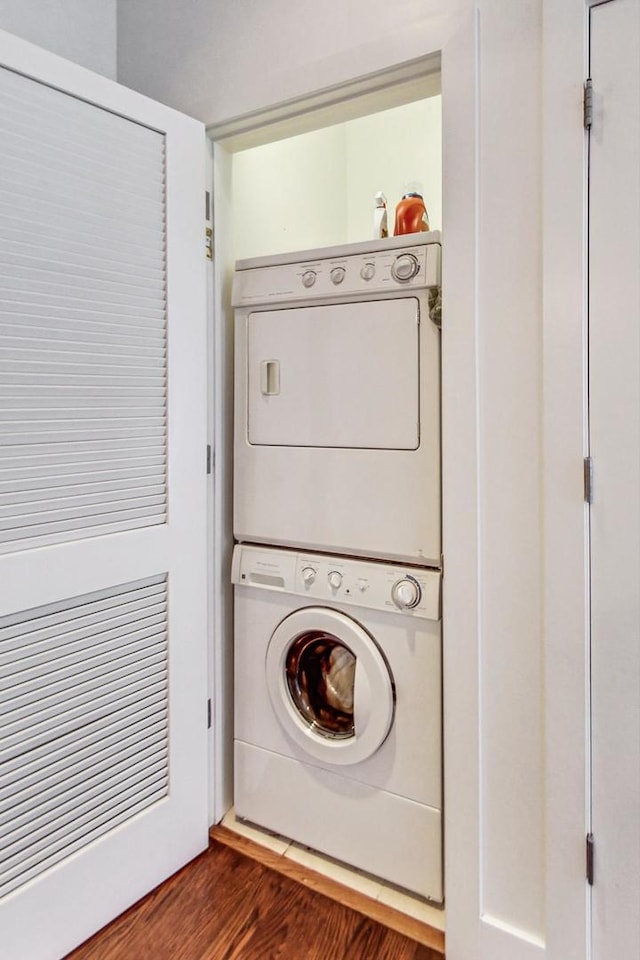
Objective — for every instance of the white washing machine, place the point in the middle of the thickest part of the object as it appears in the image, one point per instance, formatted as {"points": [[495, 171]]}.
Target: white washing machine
{"points": [[337, 400], [338, 730]]}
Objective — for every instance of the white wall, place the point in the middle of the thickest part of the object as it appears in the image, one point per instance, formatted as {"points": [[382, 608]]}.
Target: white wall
{"points": [[317, 189], [290, 195], [217, 59], [83, 31], [387, 150]]}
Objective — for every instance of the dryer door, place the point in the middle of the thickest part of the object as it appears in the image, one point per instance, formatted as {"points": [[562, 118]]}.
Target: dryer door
{"points": [[344, 375], [330, 685]]}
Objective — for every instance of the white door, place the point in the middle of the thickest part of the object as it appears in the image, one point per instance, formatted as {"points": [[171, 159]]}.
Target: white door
{"points": [[614, 400], [103, 762]]}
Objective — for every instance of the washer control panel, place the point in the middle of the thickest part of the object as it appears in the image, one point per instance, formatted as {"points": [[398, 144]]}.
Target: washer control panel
{"points": [[412, 591], [414, 265]]}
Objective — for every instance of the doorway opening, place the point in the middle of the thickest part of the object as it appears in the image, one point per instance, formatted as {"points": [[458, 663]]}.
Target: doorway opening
{"points": [[301, 176]]}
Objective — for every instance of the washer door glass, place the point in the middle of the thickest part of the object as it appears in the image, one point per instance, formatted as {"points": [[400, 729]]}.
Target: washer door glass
{"points": [[330, 685], [321, 675]]}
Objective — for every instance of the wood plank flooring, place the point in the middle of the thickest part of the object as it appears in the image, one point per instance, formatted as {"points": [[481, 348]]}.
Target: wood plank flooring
{"points": [[227, 906]]}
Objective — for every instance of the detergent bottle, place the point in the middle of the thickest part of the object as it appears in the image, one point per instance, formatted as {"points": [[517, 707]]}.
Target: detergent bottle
{"points": [[411, 213], [380, 228]]}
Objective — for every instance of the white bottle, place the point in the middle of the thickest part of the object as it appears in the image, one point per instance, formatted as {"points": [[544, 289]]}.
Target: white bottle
{"points": [[380, 226]]}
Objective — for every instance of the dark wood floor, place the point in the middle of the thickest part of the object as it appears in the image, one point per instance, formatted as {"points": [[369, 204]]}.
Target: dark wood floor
{"points": [[227, 906]]}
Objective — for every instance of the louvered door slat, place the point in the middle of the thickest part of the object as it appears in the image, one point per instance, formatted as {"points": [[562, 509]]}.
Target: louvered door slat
{"points": [[19, 338], [99, 493], [144, 252], [54, 763], [86, 311], [49, 328], [63, 685], [41, 289], [74, 636], [19, 157], [63, 240], [49, 796], [143, 170], [129, 803], [17, 736], [45, 107], [120, 343], [75, 324], [83, 722], [36, 792], [17, 251], [142, 181], [26, 834], [22, 482], [146, 593]]}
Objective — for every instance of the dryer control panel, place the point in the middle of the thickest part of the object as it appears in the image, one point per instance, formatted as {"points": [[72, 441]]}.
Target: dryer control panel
{"points": [[355, 270], [411, 591]]}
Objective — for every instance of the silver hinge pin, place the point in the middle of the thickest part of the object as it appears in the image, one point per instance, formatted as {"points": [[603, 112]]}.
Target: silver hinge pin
{"points": [[588, 480], [208, 230], [588, 104], [590, 851]]}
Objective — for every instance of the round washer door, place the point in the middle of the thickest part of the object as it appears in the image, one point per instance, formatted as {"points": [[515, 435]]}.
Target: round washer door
{"points": [[330, 685]]}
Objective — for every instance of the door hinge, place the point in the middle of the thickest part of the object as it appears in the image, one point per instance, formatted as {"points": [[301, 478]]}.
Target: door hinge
{"points": [[209, 714], [587, 104], [588, 480], [208, 230], [590, 845], [209, 458]]}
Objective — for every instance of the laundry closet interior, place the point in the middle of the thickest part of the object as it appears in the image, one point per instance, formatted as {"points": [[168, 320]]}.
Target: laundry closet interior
{"points": [[296, 195]]}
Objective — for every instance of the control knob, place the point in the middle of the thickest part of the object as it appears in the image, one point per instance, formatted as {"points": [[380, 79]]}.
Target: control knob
{"points": [[308, 576], [337, 275], [405, 267], [308, 278], [368, 271], [406, 593], [335, 579]]}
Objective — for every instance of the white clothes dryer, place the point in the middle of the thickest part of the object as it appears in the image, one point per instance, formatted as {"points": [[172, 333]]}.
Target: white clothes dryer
{"points": [[337, 400], [338, 729]]}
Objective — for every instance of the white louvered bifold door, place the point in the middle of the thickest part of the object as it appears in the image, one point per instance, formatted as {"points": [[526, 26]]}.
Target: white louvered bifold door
{"points": [[103, 690]]}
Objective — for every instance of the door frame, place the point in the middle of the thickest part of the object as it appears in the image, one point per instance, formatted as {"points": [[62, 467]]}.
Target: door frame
{"points": [[382, 90]]}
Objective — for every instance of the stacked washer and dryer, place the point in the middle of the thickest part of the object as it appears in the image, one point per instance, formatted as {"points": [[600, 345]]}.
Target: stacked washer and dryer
{"points": [[337, 569]]}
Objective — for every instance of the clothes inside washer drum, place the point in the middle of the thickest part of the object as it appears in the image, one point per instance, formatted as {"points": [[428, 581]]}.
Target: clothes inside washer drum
{"points": [[339, 679], [320, 677]]}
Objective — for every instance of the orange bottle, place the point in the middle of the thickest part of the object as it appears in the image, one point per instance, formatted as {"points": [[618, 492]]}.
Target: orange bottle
{"points": [[411, 215]]}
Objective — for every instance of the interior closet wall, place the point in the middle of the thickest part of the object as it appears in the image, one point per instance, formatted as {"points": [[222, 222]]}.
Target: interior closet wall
{"points": [[83, 31], [318, 188]]}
